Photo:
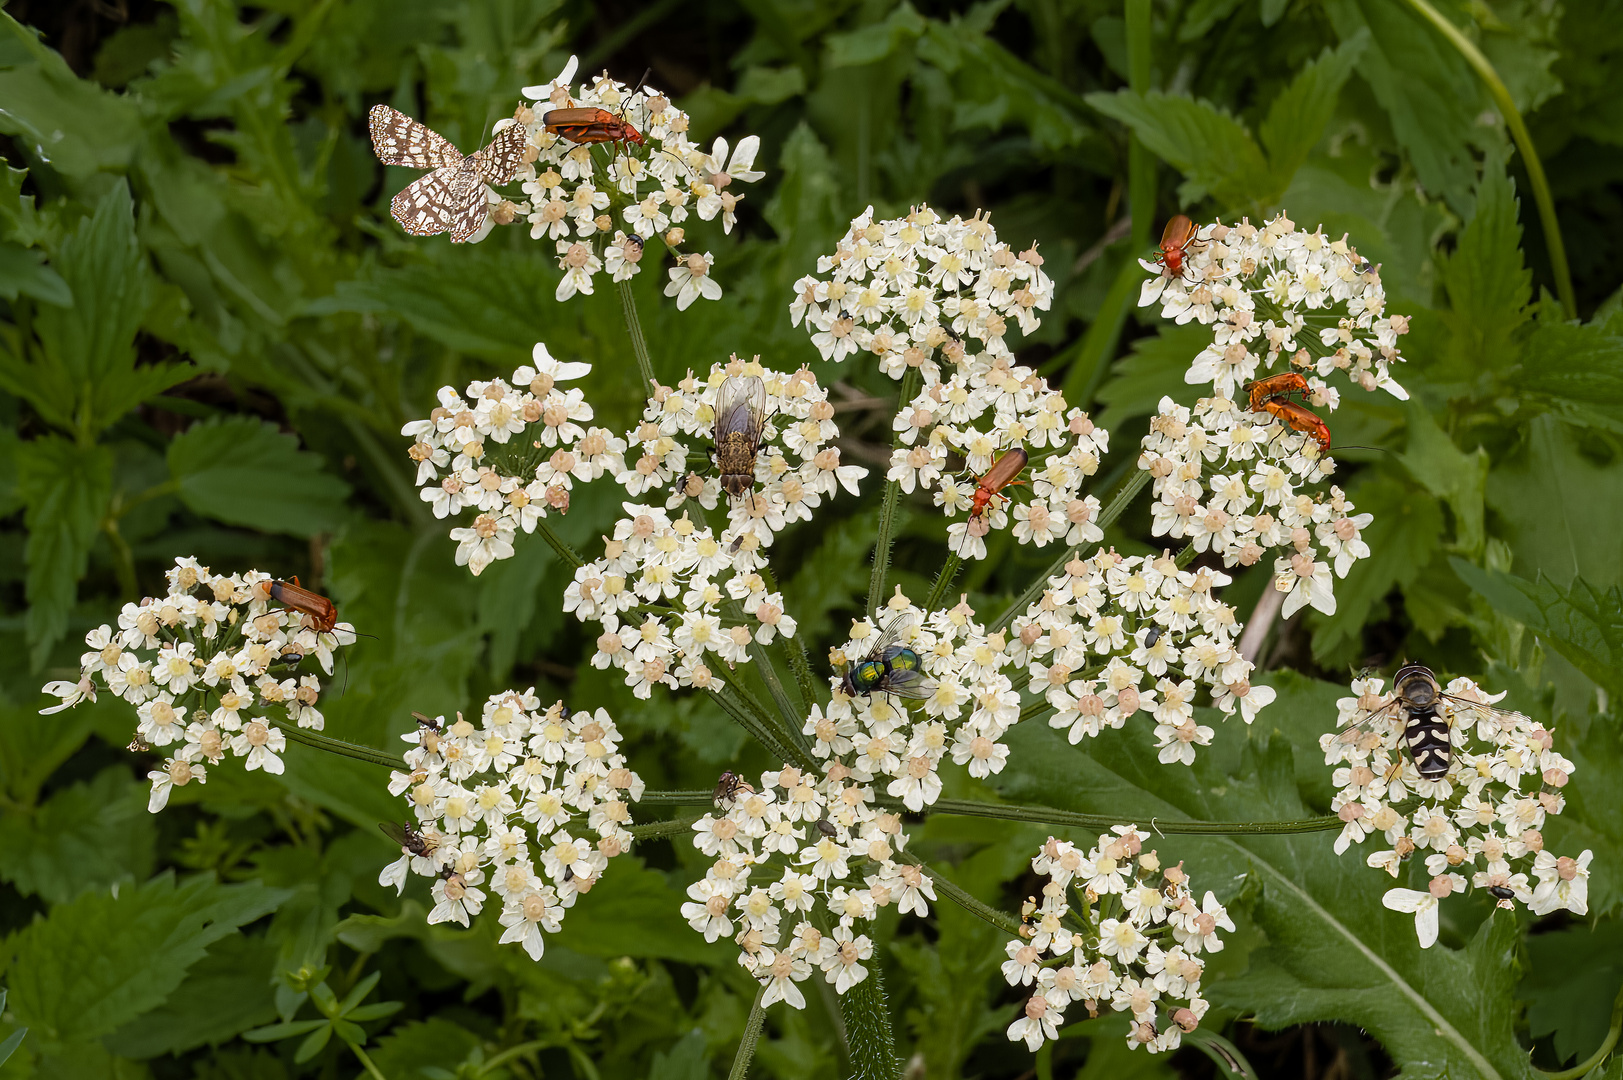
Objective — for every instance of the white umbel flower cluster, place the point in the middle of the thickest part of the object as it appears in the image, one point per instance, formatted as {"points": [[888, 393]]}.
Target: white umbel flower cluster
{"points": [[796, 465], [1132, 942], [667, 597], [1110, 638], [512, 453], [1280, 292], [1478, 826], [599, 202], [531, 803], [920, 292], [800, 841], [214, 668], [979, 414], [1241, 484]]}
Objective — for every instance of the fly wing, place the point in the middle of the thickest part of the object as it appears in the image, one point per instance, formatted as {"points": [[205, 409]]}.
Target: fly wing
{"points": [[908, 684], [1461, 704], [891, 634], [500, 161], [397, 139], [740, 408], [1344, 730], [394, 832]]}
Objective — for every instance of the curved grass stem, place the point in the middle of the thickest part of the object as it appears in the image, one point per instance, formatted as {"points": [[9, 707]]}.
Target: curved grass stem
{"points": [[1524, 143]]}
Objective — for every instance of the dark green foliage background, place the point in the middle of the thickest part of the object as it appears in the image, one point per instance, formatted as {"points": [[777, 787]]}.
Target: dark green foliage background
{"points": [[211, 332]]}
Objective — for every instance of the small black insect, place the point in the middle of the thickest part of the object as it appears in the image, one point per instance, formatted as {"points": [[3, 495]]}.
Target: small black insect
{"points": [[826, 827], [1152, 637], [1501, 892], [728, 786], [410, 838]]}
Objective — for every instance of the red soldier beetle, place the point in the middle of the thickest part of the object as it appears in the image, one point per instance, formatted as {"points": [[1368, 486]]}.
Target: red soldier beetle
{"points": [[1275, 386], [1301, 418], [318, 611], [1175, 240], [1001, 475], [590, 125]]}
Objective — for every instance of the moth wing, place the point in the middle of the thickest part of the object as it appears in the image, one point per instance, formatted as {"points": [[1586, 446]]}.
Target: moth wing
{"points": [[425, 207], [397, 139], [469, 206], [501, 160]]}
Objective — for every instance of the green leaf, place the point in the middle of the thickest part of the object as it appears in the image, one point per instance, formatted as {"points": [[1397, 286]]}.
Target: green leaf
{"points": [[19, 221], [1581, 622], [242, 471], [287, 1030], [689, 1059], [1333, 953], [876, 41], [1402, 538], [813, 593], [23, 273], [1458, 478], [635, 910], [56, 117], [991, 87], [1297, 117], [9, 1047], [314, 1044], [1556, 498], [1573, 368], [225, 994], [89, 835], [1488, 285], [65, 486], [407, 1051], [101, 960], [1572, 978], [1153, 370], [1209, 146]]}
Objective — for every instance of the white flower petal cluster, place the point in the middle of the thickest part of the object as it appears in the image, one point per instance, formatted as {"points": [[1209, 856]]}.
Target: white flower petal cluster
{"points": [[1241, 484], [598, 202], [1479, 826], [920, 290], [212, 668], [1132, 942], [796, 465], [512, 452], [979, 413], [1114, 637], [531, 804], [1275, 292], [801, 841]]}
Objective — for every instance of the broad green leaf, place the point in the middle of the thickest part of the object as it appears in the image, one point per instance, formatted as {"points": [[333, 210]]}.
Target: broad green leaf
{"points": [[243, 471], [19, 221], [1431, 98], [1334, 952], [1573, 975], [98, 962], [70, 123], [1402, 538], [410, 1049], [65, 486], [993, 88], [10, 500], [22, 273], [1556, 498], [1488, 286], [636, 910], [305, 920], [687, 1059], [1297, 117], [1153, 370], [1574, 369], [1449, 473], [1209, 146], [89, 835], [225, 993], [876, 41], [814, 593], [1581, 622]]}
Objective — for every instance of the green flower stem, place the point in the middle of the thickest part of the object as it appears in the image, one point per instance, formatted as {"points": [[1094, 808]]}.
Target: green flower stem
{"points": [[653, 830], [1044, 815], [943, 581], [791, 716], [565, 552], [888, 512], [371, 1069], [752, 718], [338, 746], [796, 651], [752, 1035], [1123, 497], [952, 891], [1524, 143], [1606, 1045], [512, 1052], [867, 1028], [639, 344], [675, 798]]}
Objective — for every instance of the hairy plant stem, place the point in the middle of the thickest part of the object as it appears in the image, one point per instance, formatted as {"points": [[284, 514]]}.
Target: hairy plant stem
{"points": [[639, 345], [796, 651], [338, 746], [952, 891], [792, 717], [1044, 815], [943, 581], [1524, 143], [653, 830], [867, 1028], [752, 1035], [888, 511], [752, 718], [1120, 499], [565, 552]]}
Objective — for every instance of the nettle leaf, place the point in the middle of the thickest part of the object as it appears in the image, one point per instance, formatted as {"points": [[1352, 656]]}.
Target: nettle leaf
{"points": [[65, 486], [1573, 975], [1402, 539], [1488, 285], [1334, 953], [243, 471], [1556, 499], [98, 962], [225, 993], [1449, 473], [89, 835], [23, 273], [1581, 622], [875, 42], [1573, 368], [1297, 117], [994, 88], [1206, 144], [435, 1043], [1153, 370]]}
